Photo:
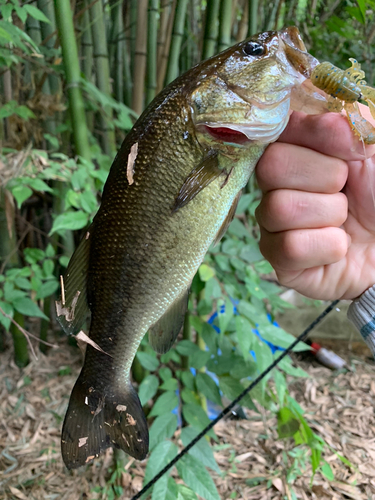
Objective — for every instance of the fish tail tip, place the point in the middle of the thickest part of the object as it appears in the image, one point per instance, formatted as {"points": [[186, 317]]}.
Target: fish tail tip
{"points": [[99, 419]]}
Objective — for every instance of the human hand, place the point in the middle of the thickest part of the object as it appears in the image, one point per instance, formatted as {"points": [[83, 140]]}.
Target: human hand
{"points": [[317, 214]]}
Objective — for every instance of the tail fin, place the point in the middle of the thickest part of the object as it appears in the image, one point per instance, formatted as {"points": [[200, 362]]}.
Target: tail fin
{"points": [[99, 418]]}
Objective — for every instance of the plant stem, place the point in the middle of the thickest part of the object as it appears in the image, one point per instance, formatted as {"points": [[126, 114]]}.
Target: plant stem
{"points": [[21, 353], [253, 17], [225, 24], [102, 74], [177, 34], [64, 21], [152, 38], [140, 57], [163, 59], [210, 29]]}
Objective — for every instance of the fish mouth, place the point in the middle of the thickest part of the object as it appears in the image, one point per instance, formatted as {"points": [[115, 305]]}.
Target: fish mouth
{"points": [[263, 125]]}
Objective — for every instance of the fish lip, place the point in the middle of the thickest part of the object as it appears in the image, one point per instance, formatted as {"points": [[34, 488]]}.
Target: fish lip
{"points": [[292, 52]]}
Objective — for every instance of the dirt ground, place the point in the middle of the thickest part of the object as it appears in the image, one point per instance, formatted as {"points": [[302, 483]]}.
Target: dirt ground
{"points": [[339, 407]]}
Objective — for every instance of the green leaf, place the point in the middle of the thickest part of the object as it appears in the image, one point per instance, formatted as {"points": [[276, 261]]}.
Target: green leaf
{"points": [[281, 338], [50, 251], [287, 424], [8, 309], [164, 404], [21, 193], [197, 478], [165, 373], [280, 384], [47, 289], [170, 385], [70, 220], [202, 451], [185, 493], [238, 229], [199, 359], [286, 365], [186, 348], [27, 307], [207, 386], [362, 7], [36, 13], [148, 361], [232, 388], [148, 388], [163, 427], [222, 364], [33, 255], [327, 471], [5, 35], [206, 272], [23, 283], [196, 417], [188, 380], [163, 453], [250, 253], [48, 267], [209, 336], [244, 335], [39, 185], [165, 489]]}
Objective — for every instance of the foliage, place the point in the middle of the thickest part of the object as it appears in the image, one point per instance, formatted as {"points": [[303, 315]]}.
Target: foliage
{"points": [[47, 193]]}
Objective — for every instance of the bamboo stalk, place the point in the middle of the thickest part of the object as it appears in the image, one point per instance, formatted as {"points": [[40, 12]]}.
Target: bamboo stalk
{"points": [[210, 29], [87, 46], [177, 34], [253, 17], [165, 14], [152, 38], [140, 57], [102, 73], [243, 24], [64, 21], [117, 49], [225, 24], [49, 39], [21, 353], [133, 32], [162, 64]]}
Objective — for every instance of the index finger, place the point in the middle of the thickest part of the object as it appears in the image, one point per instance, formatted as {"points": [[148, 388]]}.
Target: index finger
{"points": [[329, 134]]}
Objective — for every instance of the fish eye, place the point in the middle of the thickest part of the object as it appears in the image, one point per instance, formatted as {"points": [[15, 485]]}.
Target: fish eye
{"points": [[254, 49]]}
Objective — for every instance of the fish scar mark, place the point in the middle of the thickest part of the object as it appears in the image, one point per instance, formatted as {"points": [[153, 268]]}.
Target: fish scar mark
{"points": [[121, 408], [61, 310], [131, 420], [82, 441], [131, 160]]}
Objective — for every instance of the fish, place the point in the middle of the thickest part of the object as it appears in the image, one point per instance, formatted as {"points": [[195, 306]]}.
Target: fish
{"points": [[171, 192]]}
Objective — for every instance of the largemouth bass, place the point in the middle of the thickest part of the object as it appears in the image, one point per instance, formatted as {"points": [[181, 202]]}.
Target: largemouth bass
{"points": [[172, 190]]}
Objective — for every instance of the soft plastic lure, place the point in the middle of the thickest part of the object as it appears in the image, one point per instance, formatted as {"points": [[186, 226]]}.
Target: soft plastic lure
{"points": [[346, 88]]}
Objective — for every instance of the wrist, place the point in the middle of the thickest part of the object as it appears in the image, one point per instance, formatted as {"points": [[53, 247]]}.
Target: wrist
{"points": [[361, 313]]}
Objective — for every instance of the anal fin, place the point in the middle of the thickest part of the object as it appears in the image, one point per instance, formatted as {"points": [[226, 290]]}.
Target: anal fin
{"points": [[200, 177], [228, 219], [72, 310], [164, 332]]}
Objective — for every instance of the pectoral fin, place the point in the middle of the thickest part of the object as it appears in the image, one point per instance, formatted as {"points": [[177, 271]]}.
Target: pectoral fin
{"points": [[72, 310], [164, 332], [198, 179], [228, 219]]}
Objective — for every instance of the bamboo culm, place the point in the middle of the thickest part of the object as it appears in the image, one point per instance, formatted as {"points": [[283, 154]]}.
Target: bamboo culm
{"points": [[177, 34], [210, 28], [64, 22], [152, 38]]}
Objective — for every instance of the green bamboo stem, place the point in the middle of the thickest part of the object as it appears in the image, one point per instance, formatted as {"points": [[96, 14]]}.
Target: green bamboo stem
{"points": [[45, 324], [47, 31], [253, 17], [210, 29], [177, 34], [87, 45], [117, 51], [128, 82], [140, 57], [64, 21], [162, 63], [225, 24], [165, 12], [243, 24], [133, 32], [152, 39], [102, 73], [21, 353]]}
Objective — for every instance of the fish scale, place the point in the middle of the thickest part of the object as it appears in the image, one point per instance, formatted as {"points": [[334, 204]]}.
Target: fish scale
{"points": [[197, 144]]}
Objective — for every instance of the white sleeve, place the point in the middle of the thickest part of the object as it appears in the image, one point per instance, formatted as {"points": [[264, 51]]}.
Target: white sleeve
{"points": [[361, 313]]}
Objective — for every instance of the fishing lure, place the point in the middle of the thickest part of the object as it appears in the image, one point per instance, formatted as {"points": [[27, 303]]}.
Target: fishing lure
{"points": [[346, 88]]}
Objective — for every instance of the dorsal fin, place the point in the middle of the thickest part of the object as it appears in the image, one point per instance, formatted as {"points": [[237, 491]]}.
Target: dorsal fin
{"points": [[164, 332], [72, 309]]}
